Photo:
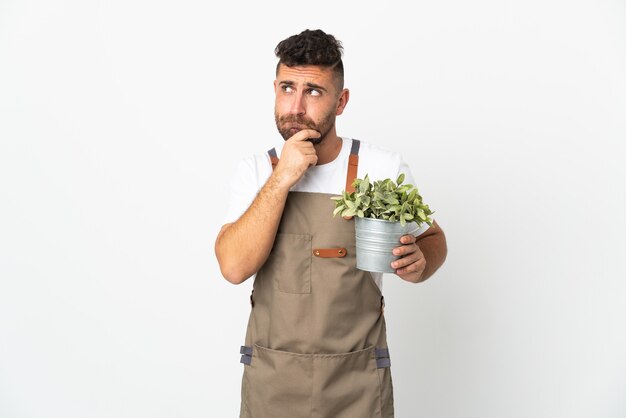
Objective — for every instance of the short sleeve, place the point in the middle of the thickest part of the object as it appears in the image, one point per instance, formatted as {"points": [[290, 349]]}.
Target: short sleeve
{"points": [[243, 188], [408, 175]]}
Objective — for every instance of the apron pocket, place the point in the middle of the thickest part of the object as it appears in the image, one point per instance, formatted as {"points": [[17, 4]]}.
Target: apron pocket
{"points": [[289, 263], [346, 385], [280, 384]]}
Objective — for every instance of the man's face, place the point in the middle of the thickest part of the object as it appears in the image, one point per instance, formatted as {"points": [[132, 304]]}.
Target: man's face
{"points": [[307, 97]]}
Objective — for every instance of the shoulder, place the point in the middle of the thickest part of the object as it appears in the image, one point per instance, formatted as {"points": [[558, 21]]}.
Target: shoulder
{"points": [[378, 161], [259, 157], [256, 166], [376, 149]]}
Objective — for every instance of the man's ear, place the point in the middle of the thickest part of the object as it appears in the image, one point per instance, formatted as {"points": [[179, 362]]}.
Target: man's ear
{"points": [[343, 101]]}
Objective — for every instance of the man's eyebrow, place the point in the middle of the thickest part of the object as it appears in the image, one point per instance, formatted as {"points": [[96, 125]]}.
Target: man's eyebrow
{"points": [[311, 85], [316, 86]]}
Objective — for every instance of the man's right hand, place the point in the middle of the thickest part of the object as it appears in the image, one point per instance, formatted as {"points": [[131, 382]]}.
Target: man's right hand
{"points": [[238, 255], [297, 156]]}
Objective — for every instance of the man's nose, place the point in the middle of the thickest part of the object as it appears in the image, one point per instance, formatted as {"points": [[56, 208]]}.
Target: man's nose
{"points": [[297, 105]]}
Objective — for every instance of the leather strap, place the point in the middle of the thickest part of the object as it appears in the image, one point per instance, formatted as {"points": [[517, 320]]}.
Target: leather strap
{"points": [[330, 252], [353, 165]]}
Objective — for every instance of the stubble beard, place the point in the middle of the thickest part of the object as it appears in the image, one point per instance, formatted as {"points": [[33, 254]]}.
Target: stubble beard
{"points": [[323, 127]]}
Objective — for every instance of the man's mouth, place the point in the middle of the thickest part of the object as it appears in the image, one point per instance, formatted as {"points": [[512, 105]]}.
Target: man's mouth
{"points": [[297, 127]]}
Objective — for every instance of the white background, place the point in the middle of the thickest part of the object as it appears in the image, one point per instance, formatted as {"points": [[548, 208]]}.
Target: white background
{"points": [[121, 122]]}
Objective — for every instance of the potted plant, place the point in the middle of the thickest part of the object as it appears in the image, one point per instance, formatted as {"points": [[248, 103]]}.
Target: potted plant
{"points": [[384, 211]]}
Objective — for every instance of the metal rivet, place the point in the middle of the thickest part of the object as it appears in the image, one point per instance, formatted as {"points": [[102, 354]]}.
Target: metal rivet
{"points": [[317, 252], [340, 252]]}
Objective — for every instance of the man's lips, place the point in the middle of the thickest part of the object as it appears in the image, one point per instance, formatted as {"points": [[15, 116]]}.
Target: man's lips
{"points": [[296, 126]]}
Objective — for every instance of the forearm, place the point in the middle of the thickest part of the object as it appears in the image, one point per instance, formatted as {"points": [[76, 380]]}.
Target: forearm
{"points": [[243, 246], [434, 247]]}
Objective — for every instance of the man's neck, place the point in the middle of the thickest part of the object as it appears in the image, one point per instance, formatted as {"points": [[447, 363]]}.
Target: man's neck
{"points": [[328, 149]]}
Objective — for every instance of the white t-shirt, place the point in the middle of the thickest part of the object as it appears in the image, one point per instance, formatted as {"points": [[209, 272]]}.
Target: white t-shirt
{"points": [[252, 173]]}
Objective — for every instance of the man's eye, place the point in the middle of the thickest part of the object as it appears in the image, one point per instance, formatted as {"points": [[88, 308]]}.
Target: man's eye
{"points": [[314, 92], [287, 89]]}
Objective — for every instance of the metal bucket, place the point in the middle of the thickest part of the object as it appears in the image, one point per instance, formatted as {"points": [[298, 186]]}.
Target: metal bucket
{"points": [[375, 241]]}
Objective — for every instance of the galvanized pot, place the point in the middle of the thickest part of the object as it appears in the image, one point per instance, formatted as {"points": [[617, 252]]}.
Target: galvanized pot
{"points": [[375, 241]]}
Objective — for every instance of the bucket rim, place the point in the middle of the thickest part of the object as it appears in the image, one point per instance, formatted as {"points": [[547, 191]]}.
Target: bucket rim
{"points": [[382, 220]]}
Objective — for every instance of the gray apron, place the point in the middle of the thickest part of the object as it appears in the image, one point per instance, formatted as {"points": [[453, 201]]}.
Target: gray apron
{"points": [[316, 342]]}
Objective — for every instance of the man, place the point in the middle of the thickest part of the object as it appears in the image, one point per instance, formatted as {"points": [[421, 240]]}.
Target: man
{"points": [[316, 340]]}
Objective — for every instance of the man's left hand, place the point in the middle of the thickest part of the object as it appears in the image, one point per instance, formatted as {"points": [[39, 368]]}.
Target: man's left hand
{"points": [[412, 263]]}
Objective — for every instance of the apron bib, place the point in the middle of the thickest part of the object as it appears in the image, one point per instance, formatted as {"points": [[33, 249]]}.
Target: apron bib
{"points": [[316, 341]]}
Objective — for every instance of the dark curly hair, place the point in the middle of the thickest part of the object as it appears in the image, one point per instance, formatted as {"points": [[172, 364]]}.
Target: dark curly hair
{"points": [[311, 47]]}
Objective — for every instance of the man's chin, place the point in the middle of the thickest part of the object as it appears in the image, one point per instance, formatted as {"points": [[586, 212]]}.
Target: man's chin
{"points": [[316, 141], [292, 131]]}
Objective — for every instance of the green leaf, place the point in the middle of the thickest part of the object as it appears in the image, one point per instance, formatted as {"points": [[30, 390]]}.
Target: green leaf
{"points": [[349, 212], [383, 199], [403, 189], [392, 201], [364, 185]]}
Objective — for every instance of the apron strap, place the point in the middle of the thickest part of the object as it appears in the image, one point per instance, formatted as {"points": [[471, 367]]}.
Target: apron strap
{"points": [[353, 165], [273, 158], [246, 354], [382, 358]]}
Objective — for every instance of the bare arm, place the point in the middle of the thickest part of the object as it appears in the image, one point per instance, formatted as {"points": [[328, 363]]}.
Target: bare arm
{"points": [[421, 256], [243, 246]]}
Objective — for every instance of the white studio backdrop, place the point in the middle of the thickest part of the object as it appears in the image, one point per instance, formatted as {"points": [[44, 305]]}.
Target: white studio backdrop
{"points": [[121, 122]]}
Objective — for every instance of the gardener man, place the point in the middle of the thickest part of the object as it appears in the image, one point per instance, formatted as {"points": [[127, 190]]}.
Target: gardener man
{"points": [[316, 342]]}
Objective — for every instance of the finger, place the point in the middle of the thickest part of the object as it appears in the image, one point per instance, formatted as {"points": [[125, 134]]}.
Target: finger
{"points": [[305, 134], [347, 218], [416, 269], [405, 261], [405, 249], [307, 148], [408, 239]]}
